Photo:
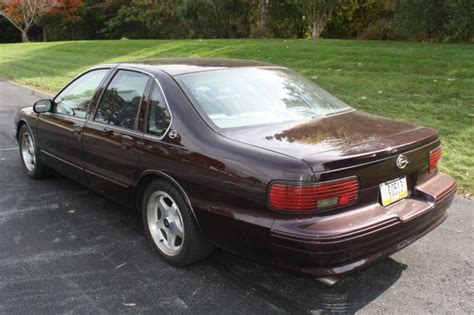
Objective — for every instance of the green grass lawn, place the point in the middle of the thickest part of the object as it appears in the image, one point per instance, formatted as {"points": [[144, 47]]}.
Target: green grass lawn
{"points": [[429, 84]]}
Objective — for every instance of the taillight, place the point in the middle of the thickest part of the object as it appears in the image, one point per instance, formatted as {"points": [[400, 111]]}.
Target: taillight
{"points": [[435, 156], [298, 196]]}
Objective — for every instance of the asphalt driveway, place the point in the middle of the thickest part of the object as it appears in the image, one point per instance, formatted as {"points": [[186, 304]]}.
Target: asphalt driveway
{"points": [[65, 249]]}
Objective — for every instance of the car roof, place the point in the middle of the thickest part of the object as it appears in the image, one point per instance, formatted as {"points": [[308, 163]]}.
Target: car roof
{"points": [[177, 66]]}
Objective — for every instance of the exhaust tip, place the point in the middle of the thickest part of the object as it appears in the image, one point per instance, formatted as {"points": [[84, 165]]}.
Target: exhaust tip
{"points": [[328, 281]]}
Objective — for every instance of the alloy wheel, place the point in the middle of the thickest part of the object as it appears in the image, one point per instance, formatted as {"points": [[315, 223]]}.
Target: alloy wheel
{"points": [[28, 151], [165, 223]]}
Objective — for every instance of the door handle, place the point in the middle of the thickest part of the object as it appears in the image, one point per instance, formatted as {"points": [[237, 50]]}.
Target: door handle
{"points": [[77, 129], [127, 142]]}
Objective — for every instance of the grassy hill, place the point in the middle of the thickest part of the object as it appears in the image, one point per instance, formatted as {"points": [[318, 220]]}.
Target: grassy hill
{"points": [[429, 84]]}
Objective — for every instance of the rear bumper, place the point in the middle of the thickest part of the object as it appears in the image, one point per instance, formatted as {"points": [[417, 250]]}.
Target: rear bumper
{"points": [[350, 240]]}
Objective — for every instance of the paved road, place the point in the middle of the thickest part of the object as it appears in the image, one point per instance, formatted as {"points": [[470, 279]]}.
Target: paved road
{"points": [[64, 248]]}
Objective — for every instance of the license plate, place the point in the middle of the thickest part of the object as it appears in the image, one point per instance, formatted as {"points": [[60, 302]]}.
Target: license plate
{"points": [[393, 190]]}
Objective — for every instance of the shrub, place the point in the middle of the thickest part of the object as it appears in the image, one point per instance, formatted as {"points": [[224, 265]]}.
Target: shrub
{"points": [[383, 29]]}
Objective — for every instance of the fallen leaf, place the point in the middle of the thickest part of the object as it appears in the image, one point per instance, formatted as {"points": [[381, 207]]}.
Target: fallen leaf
{"points": [[71, 211]]}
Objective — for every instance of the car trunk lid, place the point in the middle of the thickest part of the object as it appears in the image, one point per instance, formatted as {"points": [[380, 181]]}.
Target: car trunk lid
{"points": [[346, 144]]}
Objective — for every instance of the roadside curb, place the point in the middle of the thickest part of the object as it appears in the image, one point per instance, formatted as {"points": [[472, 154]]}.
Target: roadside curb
{"points": [[32, 88]]}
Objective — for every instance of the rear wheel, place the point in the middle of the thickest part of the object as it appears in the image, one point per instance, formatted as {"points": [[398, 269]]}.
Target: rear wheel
{"points": [[29, 155], [170, 225]]}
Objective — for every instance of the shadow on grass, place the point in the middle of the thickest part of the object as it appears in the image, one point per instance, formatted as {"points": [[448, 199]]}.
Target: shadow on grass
{"points": [[60, 62]]}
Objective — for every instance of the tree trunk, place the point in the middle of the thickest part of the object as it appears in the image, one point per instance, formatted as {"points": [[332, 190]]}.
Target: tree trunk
{"points": [[263, 17], [45, 37], [316, 31], [24, 36]]}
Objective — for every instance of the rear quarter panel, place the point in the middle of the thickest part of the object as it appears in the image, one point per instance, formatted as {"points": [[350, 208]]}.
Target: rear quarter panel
{"points": [[224, 179]]}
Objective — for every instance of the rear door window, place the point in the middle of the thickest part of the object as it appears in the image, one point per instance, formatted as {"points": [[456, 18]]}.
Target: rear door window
{"points": [[159, 117], [121, 100]]}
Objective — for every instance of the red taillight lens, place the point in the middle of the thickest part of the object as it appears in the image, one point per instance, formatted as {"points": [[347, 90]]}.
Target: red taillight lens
{"points": [[435, 156], [312, 196]]}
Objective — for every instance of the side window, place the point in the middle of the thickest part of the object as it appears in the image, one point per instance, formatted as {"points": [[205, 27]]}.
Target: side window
{"points": [[75, 99], [159, 118], [121, 99]]}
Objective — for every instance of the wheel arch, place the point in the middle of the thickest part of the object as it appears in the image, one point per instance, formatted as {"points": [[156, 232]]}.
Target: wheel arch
{"points": [[18, 127], [147, 177], [21, 123]]}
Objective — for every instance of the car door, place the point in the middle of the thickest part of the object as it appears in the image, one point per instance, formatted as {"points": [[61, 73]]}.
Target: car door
{"points": [[60, 130], [111, 136]]}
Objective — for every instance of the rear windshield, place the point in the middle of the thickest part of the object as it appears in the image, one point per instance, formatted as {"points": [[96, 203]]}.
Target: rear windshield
{"points": [[244, 97]]}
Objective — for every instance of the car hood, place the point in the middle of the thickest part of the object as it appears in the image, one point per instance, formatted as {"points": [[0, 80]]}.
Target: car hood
{"points": [[330, 142]]}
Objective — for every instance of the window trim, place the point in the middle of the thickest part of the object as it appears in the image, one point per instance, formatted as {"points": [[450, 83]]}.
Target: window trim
{"points": [[131, 132], [137, 116], [104, 85], [96, 93], [145, 129], [65, 116]]}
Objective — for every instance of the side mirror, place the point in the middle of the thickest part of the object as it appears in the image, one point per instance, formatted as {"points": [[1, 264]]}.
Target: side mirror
{"points": [[43, 106]]}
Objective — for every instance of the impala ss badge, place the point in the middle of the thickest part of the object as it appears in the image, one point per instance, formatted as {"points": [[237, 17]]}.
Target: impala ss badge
{"points": [[402, 161]]}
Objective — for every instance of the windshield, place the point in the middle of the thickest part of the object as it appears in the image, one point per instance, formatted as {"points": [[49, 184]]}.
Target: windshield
{"points": [[244, 97]]}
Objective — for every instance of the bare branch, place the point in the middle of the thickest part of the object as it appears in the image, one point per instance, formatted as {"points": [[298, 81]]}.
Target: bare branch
{"points": [[17, 25], [317, 13]]}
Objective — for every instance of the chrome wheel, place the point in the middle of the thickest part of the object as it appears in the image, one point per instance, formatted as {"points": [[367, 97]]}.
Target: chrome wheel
{"points": [[165, 223], [28, 151]]}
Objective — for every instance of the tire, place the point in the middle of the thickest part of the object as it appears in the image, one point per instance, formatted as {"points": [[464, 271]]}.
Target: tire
{"points": [[29, 155], [170, 225]]}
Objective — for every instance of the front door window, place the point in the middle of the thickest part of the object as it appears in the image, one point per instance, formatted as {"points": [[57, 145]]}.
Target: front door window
{"points": [[74, 99]]}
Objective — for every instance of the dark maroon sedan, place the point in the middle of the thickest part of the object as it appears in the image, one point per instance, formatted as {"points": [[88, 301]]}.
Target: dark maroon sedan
{"points": [[242, 155]]}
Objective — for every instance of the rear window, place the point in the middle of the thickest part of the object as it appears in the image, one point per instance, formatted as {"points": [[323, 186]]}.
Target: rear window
{"points": [[244, 97]]}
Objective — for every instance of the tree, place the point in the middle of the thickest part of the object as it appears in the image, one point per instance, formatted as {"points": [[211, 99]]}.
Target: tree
{"points": [[286, 20], [233, 17], [63, 17], [460, 25], [68, 11], [424, 19], [352, 18], [145, 19], [317, 13], [95, 14], [25, 13], [263, 18], [8, 32]]}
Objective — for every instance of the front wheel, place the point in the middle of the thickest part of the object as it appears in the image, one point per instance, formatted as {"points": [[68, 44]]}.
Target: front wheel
{"points": [[171, 227], [29, 155]]}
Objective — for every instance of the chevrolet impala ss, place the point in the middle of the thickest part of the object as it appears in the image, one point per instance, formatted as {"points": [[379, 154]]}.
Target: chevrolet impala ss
{"points": [[247, 156]]}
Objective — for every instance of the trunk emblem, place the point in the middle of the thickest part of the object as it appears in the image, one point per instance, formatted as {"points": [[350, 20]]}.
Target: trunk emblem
{"points": [[401, 161]]}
